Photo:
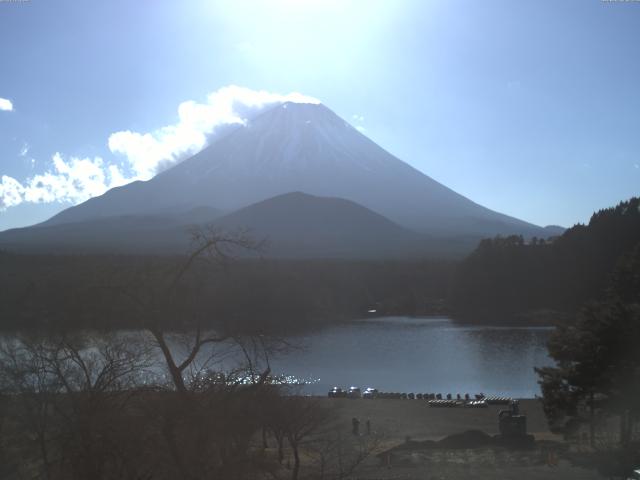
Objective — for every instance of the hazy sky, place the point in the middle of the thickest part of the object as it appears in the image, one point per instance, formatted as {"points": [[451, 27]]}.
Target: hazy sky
{"points": [[531, 108]]}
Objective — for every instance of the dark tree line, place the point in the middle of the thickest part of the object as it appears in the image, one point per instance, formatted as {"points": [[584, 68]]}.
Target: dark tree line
{"points": [[597, 374], [74, 292], [509, 277]]}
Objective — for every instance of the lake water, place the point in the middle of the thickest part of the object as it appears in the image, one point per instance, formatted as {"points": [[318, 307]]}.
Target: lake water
{"points": [[394, 354], [404, 354]]}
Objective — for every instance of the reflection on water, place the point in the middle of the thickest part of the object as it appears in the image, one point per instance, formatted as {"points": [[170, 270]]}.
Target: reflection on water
{"points": [[419, 355], [397, 354]]}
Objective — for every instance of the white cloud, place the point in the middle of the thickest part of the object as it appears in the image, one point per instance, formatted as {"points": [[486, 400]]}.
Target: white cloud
{"points": [[74, 180], [358, 119], [148, 152], [25, 149], [78, 179], [10, 192], [6, 105]]}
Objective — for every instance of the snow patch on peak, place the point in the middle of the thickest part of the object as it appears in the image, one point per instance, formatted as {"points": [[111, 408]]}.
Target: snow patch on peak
{"points": [[199, 125]]}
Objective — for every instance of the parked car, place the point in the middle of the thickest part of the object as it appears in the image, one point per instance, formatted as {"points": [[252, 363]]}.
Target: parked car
{"points": [[370, 393], [337, 392], [354, 392]]}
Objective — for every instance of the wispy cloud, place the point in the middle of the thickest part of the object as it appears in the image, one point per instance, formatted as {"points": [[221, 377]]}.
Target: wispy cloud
{"points": [[6, 105], [357, 121], [25, 149], [145, 153]]}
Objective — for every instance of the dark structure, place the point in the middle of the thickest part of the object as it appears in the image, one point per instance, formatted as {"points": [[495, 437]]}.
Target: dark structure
{"points": [[511, 423]]}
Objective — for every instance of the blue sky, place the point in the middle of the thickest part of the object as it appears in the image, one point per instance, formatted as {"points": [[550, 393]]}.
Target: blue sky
{"points": [[531, 108]]}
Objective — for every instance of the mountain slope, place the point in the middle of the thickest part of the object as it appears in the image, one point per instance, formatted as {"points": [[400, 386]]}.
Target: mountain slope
{"points": [[301, 225], [158, 233], [293, 225], [303, 147]]}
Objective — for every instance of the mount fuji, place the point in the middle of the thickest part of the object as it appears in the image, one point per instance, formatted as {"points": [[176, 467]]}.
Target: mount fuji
{"points": [[292, 147]]}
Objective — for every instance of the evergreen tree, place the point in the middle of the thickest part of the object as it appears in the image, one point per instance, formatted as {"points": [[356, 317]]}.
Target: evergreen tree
{"points": [[597, 358]]}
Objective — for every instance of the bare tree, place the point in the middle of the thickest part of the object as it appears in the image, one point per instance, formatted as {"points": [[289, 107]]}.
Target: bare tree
{"points": [[337, 456], [295, 419], [168, 305], [69, 394], [28, 392], [304, 417], [84, 414], [208, 416]]}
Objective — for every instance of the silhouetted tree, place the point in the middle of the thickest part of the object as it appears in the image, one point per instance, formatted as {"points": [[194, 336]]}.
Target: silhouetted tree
{"points": [[597, 356], [69, 394]]}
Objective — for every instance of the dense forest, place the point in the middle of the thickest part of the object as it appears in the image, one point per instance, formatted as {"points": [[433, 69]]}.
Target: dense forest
{"points": [[506, 279], [510, 279], [106, 292], [594, 384]]}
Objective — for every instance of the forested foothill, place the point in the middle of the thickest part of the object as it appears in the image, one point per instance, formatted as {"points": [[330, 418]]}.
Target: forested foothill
{"points": [[545, 280], [98, 292], [593, 391], [505, 280]]}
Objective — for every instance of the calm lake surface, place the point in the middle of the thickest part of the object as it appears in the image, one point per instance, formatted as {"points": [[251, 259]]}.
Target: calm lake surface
{"points": [[393, 354], [404, 354]]}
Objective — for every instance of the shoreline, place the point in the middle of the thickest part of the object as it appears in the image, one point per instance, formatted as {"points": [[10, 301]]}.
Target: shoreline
{"points": [[401, 427], [397, 419]]}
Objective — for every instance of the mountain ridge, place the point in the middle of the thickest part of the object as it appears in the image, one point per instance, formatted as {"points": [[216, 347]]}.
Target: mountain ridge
{"points": [[295, 225], [292, 147]]}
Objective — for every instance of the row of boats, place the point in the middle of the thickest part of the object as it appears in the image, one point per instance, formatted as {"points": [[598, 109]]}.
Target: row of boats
{"points": [[478, 400]]}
